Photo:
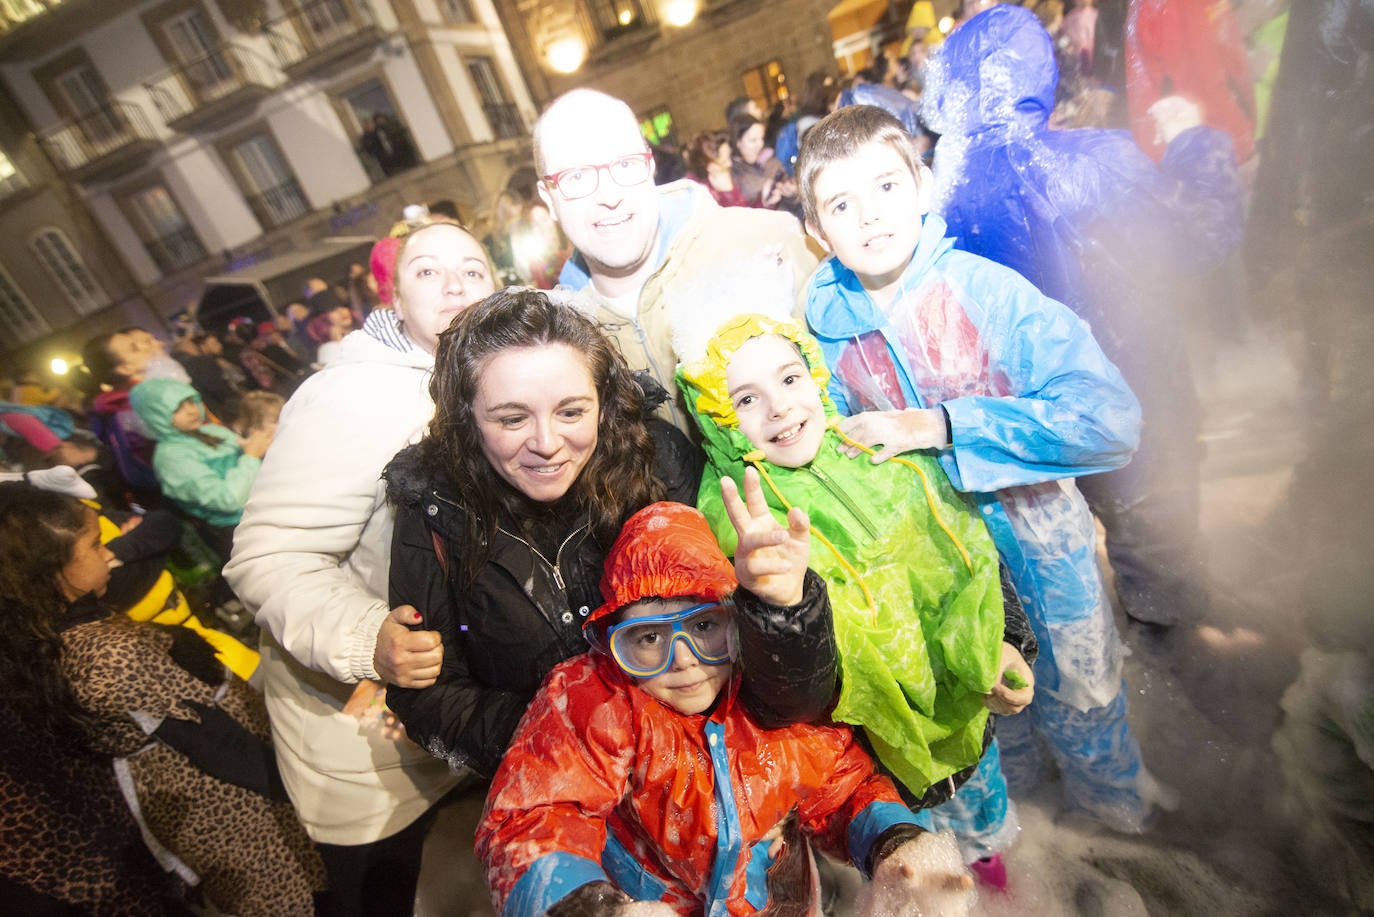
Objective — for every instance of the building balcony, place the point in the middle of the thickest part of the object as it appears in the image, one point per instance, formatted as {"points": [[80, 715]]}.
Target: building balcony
{"points": [[504, 119], [279, 205], [105, 143], [213, 88], [321, 33], [176, 250]]}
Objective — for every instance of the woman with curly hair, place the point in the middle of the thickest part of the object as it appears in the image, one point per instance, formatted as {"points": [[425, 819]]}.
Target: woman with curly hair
{"points": [[67, 839], [154, 712], [540, 448]]}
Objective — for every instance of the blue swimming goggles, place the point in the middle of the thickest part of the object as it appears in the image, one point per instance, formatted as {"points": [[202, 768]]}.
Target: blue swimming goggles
{"points": [[644, 647]]}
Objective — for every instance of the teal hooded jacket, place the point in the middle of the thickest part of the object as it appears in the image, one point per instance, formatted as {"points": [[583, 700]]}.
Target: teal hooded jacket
{"points": [[209, 482], [912, 571]]}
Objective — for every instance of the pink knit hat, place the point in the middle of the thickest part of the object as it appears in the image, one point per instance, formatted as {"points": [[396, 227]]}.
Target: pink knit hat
{"points": [[382, 263]]}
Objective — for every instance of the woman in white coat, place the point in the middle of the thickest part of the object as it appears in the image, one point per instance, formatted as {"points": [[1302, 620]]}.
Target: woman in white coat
{"points": [[311, 558]]}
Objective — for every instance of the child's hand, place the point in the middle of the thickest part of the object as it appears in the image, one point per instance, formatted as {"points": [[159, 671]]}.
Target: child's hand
{"points": [[1172, 116], [367, 704], [1005, 699], [895, 431], [257, 441], [925, 876], [770, 561], [645, 909]]}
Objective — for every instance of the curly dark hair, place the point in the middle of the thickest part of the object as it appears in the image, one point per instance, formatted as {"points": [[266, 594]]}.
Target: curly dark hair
{"points": [[38, 530], [619, 477]]}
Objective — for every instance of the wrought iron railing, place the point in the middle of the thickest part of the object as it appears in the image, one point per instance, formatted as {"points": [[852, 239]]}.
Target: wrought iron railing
{"points": [[280, 204], [175, 250], [80, 141], [504, 119], [317, 26], [214, 76]]}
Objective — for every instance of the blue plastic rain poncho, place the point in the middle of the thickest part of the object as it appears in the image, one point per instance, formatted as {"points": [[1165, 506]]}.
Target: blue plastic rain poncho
{"points": [[1083, 214], [1032, 402], [895, 103], [1089, 219]]}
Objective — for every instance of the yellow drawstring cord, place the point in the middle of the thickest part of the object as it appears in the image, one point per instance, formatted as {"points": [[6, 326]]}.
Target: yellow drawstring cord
{"points": [[925, 485], [756, 458]]}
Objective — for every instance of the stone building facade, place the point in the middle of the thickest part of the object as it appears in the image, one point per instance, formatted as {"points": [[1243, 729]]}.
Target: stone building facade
{"points": [[168, 140], [686, 57]]}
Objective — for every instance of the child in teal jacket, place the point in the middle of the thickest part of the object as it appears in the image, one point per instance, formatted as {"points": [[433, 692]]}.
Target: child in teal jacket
{"points": [[204, 468]]}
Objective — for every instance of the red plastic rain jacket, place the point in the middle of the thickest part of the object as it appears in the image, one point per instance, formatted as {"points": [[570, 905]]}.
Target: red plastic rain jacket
{"points": [[604, 782], [1191, 48]]}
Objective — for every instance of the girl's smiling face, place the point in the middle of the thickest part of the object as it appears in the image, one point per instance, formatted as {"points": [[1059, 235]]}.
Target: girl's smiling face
{"points": [[776, 399]]}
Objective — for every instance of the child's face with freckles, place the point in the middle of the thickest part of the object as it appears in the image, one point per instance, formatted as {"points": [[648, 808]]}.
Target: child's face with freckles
{"points": [[776, 399]]}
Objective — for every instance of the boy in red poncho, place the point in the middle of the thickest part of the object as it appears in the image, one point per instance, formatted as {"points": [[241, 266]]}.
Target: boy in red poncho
{"points": [[637, 785]]}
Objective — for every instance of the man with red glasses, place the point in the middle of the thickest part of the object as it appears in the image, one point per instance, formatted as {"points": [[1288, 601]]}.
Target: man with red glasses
{"points": [[636, 242], [638, 775]]}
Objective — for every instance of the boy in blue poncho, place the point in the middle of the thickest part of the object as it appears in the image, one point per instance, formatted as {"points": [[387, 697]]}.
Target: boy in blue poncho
{"points": [[1090, 219], [949, 352], [912, 571]]}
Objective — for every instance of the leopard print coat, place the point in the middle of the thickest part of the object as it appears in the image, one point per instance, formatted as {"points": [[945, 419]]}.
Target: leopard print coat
{"points": [[66, 836], [251, 855]]}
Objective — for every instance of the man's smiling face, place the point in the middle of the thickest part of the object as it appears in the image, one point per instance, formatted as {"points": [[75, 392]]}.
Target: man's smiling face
{"points": [[615, 228]]}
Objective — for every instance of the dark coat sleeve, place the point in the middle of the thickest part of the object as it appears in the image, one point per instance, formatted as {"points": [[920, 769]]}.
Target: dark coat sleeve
{"points": [[1017, 629], [789, 656], [677, 463], [220, 746], [157, 534], [457, 718]]}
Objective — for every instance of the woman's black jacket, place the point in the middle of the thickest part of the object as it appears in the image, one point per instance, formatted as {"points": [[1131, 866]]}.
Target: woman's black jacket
{"points": [[517, 620]]}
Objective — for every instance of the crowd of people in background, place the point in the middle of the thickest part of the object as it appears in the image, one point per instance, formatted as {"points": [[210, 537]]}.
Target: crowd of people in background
{"points": [[430, 497]]}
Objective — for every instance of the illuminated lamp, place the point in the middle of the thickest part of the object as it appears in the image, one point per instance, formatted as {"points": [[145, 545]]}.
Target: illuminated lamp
{"points": [[566, 54], [680, 12]]}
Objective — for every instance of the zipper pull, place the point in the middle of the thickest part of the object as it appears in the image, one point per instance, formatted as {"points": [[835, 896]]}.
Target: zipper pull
{"points": [[558, 578]]}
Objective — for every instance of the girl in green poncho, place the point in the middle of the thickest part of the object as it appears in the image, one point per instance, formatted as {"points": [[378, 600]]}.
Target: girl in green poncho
{"points": [[913, 573]]}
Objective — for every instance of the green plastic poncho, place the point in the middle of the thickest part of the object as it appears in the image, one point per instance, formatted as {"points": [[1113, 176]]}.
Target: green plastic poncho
{"points": [[911, 568]]}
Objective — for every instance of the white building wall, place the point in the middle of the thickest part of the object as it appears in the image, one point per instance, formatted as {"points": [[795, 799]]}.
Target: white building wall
{"points": [[384, 14], [514, 80], [421, 115], [427, 11], [124, 238], [122, 52], [211, 201], [27, 95], [318, 148], [464, 93], [485, 11]]}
